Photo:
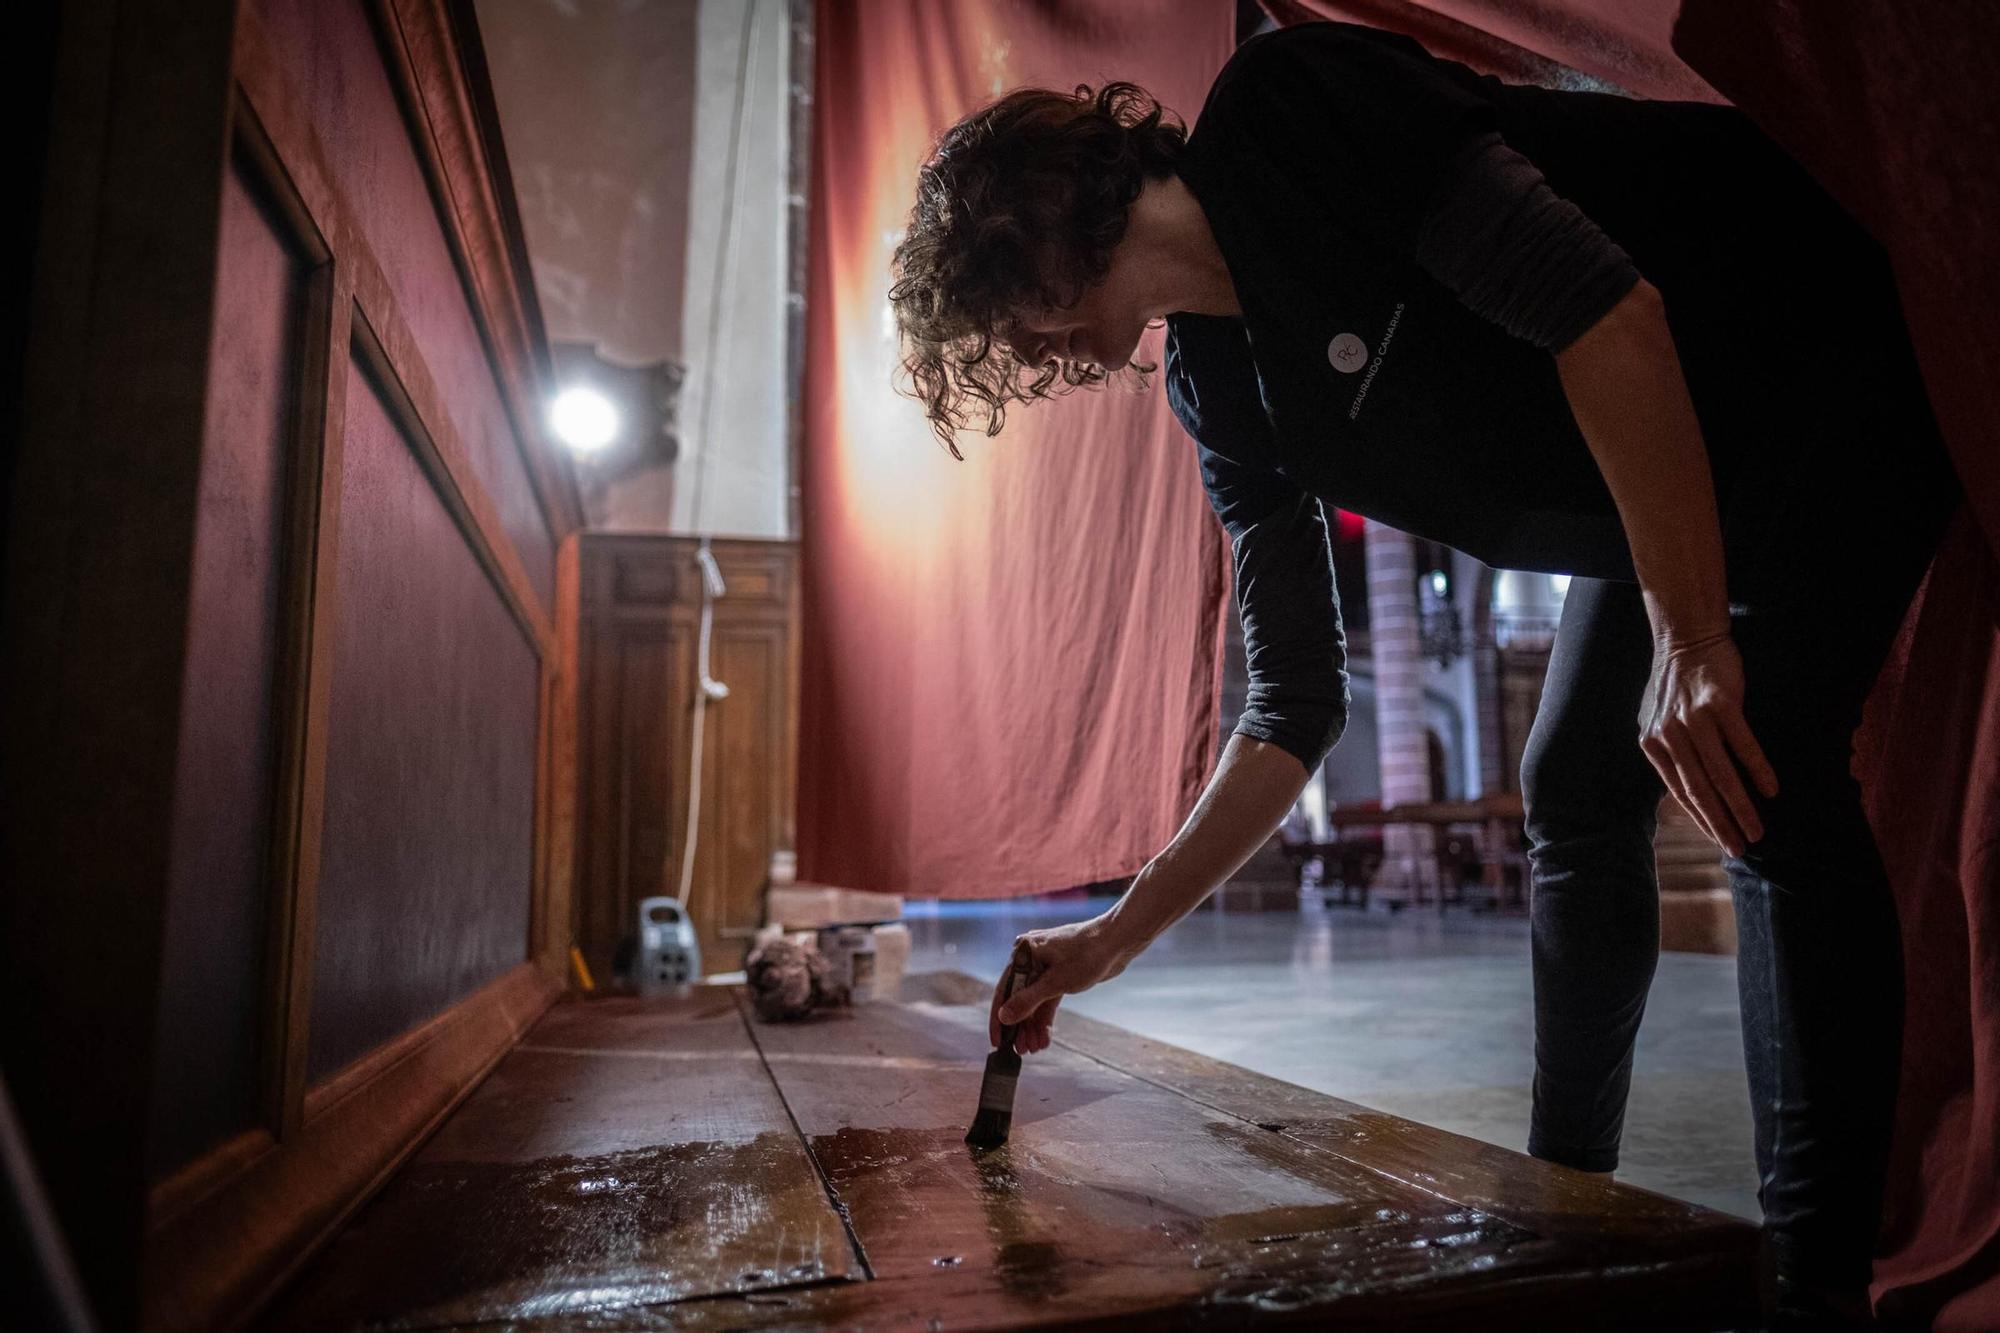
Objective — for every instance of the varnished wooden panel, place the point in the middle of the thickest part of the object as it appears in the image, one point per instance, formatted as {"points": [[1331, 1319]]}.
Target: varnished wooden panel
{"points": [[1147, 1186], [629, 736], [560, 783], [641, 607], [216, 1254], [645, 574], [434, 50], [763, 582], [333, 55], [431, 758], [213, 958], [627, 1153], [744, 785], [1143, 1186], [1119, 1195], [648, 582], [1616, 1224], [142, 685]]}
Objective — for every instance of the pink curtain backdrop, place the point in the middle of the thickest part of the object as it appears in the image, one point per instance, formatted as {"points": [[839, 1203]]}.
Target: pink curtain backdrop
{"points": [[1621, 42], [1011, 664]]}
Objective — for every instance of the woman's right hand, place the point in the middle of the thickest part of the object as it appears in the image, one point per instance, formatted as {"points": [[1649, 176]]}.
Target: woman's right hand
{"points": [[1064, 960]]}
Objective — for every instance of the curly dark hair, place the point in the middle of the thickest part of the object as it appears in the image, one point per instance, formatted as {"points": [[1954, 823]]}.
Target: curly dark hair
{"points": [[1018, 209]]}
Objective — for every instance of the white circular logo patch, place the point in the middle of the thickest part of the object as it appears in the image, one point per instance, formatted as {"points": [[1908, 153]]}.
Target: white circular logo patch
{"points": [[1347, 353]]}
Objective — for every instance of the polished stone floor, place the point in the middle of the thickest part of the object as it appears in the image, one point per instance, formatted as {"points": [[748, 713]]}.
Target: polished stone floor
{"points": [[1423, 1014]]}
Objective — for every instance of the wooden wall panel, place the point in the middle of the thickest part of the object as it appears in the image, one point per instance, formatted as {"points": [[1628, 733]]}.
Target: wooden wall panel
{"points": [[216, 1255], [744, 792], [653, 675], [555, 913], [427, 849], [338, 57], [98, 572], [641, 612], [282, 659], [624, 800], [213, 957]]}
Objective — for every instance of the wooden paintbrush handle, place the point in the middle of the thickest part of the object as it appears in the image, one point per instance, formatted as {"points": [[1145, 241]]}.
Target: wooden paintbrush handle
{"points": [[1017, 968]]}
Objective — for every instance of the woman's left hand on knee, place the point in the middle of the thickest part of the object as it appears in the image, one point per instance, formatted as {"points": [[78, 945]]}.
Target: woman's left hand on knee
{"points": [[1692, 729]]}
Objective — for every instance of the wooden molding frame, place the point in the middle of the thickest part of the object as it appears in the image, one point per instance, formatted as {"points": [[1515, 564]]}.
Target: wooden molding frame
{"points": [[642, 593], [152, 106], [556, 909], [295, 918], [226, 1230], [231, 1228], [385, 348], [381, 335], [358, 320], [448, 97]]}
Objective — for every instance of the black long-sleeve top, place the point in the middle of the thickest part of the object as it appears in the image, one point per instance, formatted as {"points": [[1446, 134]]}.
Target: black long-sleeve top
{"points": [[1411, 244]]}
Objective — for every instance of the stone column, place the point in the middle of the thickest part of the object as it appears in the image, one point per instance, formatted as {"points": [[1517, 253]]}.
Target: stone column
{"points": [[1493, 775], [1409, 863]]}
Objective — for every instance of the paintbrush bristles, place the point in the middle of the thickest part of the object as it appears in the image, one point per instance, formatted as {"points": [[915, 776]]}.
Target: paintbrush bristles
{"points": [[996, 1096]]}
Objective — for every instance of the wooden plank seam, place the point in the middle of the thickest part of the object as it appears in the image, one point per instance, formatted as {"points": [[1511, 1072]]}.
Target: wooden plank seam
{"points": [[832, 1195]]}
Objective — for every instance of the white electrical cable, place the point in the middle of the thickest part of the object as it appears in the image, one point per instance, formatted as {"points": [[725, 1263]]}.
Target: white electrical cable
{"points": [[707, 687]]}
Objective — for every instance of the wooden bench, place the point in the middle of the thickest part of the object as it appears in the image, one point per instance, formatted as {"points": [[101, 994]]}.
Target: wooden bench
{"points": [[654, 1163]]}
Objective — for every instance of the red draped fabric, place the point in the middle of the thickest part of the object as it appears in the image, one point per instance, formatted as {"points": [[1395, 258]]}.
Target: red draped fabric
{"points": [[1893, 109], [1621, 42], [1010, 674]]}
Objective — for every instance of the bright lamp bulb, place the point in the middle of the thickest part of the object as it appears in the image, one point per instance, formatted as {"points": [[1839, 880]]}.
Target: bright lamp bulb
{"points": [[583, 419], [1439, 583]]}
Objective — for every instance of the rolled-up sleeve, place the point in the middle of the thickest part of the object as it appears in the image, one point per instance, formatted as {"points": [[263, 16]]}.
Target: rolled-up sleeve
{"points": [[1514, 251], [1295, 648]]}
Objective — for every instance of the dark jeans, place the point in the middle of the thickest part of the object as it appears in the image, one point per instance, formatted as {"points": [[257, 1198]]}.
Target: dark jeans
{"points": [[1819, 581]]}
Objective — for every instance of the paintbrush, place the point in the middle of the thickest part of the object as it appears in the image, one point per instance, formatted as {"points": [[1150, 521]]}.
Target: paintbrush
{"points": [[1003, 1069]]}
